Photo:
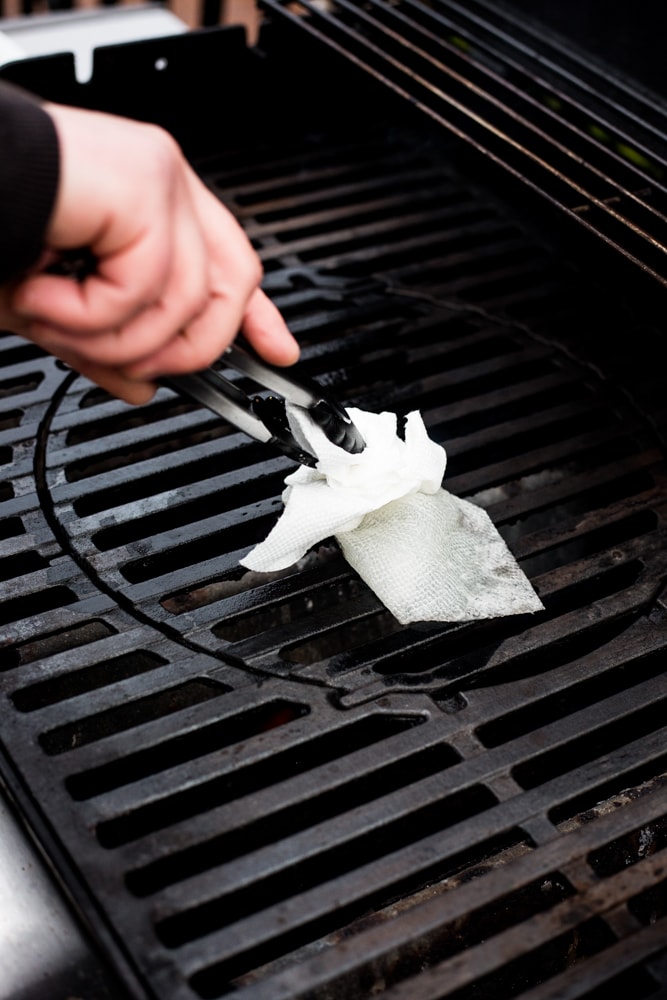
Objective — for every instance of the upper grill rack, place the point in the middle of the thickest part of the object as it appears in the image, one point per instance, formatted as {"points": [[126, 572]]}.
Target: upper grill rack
{"points": [[594, 150]]}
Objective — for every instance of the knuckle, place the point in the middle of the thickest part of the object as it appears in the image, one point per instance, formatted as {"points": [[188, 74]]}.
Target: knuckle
{"points": [[197, 302], [251, 272], [257, 275], [162, 154]]}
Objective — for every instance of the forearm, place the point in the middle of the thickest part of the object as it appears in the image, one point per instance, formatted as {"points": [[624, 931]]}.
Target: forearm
{"points": [[29, 169]]}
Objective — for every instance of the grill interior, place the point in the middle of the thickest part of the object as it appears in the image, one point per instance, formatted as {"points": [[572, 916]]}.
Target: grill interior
{"points": [[263, 785]]}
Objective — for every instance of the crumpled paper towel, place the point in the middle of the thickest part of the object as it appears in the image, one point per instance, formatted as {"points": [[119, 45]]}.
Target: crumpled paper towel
{"points": [[426, 554]]}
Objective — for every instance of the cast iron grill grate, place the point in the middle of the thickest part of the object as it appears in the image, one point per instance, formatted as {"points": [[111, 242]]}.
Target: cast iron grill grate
{"points": [[266, 788], [549, 116], [160, 511]]}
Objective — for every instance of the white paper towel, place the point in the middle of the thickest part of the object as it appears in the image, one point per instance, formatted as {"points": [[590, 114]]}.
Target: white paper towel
{"points": [[427, 555]]}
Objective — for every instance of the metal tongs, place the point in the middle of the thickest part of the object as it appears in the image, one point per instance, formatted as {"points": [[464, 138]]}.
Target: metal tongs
{"points": [[265, 418]]}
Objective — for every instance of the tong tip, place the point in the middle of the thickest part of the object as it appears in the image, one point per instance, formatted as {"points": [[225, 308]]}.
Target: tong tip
{"points": [[337, 426]]}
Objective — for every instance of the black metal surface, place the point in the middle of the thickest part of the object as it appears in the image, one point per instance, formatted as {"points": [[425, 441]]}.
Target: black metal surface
{"points": [[264, 787]]}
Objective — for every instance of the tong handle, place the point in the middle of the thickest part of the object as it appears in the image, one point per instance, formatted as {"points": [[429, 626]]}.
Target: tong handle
{"points": [[264, 418], [303, 393], [218, 394]]}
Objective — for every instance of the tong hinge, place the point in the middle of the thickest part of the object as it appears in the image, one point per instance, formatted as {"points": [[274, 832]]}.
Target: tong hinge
{"points": [[264, 417]]}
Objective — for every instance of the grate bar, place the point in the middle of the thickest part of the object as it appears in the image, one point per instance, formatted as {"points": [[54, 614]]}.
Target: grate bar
{"points": [[372, 817], [445, 978], [382, 875], [379, 947]]}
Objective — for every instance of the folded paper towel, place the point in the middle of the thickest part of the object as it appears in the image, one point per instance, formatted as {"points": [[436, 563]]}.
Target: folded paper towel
{"points": [[427, 555]]}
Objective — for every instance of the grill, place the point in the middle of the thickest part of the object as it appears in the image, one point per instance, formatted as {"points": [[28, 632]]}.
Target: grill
{"points": [[263, 786]]}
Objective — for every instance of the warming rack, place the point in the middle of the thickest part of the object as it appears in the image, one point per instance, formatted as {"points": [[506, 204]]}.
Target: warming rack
{"points": [[592, 146]]}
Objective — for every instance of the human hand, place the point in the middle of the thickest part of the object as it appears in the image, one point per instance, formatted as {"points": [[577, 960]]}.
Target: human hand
{"points": [[176, 277]]}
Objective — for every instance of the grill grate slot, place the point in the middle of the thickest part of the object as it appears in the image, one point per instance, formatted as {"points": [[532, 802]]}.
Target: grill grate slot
{"points": [[77, 682], [29, 605], [153, 479], [183, 747], [619, 854], [183, 865], [51, 643], [126, 454], [10, 418], [280, 766], [649, 906], [635, 722], [21, 384], [11, 527], [116, 720], [639, 670], [120, 421]]}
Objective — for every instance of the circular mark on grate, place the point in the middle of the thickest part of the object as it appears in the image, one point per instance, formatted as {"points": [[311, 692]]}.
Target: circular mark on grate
{"points": [[159, 504]]}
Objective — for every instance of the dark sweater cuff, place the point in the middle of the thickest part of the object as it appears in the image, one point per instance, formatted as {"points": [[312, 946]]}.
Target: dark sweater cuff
{"points": [[29, 169]]}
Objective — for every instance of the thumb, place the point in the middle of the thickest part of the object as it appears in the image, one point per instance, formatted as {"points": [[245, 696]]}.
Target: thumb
{"points": [[264, 328]]}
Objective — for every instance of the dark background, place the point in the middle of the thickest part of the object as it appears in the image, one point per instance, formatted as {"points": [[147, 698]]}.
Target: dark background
{"points": [[630, 35]]}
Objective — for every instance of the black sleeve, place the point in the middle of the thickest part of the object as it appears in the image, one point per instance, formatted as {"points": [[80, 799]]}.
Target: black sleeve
{"points": [[29, 168]]}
